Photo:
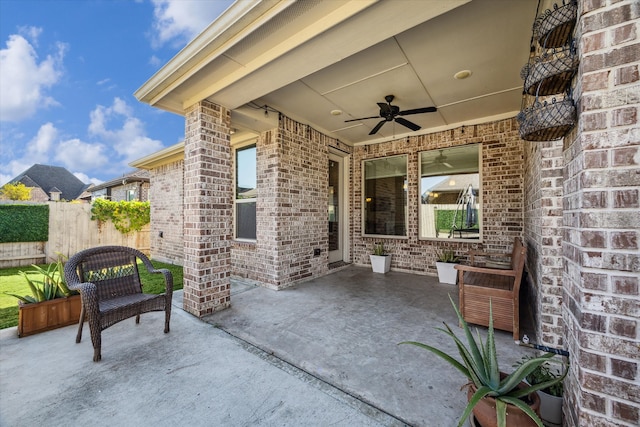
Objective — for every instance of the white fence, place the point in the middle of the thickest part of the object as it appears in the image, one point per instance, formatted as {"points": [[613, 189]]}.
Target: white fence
{"points": [[70, 230]]}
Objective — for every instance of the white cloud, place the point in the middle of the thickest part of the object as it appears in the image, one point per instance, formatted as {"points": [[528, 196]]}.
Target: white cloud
{"points": [[85, 178], [155, 61], [40, 146], [178, 21], [129, 140], [23, 79], [76, 154], [37, 150]]}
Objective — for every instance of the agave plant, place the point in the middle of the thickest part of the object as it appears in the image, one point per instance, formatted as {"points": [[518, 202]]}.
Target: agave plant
{"points": [[480, 365], [51, 285]]}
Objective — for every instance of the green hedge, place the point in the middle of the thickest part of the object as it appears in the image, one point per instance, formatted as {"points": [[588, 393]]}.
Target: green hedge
{"points": [[444, 219], [24, 223]]}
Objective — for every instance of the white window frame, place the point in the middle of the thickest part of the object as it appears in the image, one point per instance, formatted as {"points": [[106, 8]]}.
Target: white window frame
{"points": [[480, 200], [364, 199], [236, 201]]}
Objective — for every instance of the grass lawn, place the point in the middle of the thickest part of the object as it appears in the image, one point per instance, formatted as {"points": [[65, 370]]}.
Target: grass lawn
{"points": [[12, 282]]}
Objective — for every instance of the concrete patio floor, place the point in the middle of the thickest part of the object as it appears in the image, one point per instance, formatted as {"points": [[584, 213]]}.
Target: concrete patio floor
{"points": [[320, 353]]}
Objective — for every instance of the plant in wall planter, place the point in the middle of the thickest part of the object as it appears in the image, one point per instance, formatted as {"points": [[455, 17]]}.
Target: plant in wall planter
{"points": [[447, 260], [380, 259], [51, 305], [495, 398], [550, 397]]}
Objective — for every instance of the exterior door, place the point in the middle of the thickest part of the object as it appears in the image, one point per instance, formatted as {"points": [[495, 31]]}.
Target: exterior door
{"points": [[335, 208]]}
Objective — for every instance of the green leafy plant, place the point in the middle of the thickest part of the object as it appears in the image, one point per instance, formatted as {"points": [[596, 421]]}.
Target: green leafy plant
{"points": [[126, 216], [480, 366], [378, 249], [449, 256], [544, 373], [50, 285]]}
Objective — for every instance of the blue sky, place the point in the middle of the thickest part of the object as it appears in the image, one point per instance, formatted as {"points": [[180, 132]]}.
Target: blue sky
{"points": [[68, 71]]}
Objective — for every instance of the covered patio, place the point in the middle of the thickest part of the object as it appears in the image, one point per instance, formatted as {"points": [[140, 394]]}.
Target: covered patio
{"points": [[323, 352]]}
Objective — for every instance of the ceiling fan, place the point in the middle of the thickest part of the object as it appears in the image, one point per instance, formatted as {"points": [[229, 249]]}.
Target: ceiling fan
{"points": [[440, 159], [390, 112]]}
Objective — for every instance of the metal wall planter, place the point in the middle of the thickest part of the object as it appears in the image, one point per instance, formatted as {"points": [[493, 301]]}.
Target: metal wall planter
{"points": [[554, 28], [547, 121], [550, 71]]}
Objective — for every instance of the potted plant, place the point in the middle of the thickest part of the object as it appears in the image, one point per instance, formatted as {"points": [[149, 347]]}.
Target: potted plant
{"points": [[447, 260], [550, 397], [494, 397], [51, 305], [380, 259]]}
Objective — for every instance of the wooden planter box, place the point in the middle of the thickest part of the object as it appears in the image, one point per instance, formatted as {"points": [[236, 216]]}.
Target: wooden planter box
{"points": [[47, 315]]}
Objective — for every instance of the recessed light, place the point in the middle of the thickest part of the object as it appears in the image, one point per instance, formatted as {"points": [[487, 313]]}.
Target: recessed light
{"points": [[336, 112], [461, 75]]}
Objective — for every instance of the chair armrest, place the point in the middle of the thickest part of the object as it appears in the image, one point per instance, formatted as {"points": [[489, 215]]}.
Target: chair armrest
{"points": [[496, 271]]}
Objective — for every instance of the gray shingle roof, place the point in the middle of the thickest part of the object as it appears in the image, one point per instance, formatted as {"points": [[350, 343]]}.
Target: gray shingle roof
{"points": [[49, 177]]}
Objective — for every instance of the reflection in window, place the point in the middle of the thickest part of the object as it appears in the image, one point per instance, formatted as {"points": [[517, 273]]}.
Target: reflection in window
{"points": [[450, 193], [385, 196], [246, 189]]}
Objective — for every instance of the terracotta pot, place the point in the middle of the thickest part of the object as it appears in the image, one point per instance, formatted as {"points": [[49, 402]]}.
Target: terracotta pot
{"points": [[485, 410]]}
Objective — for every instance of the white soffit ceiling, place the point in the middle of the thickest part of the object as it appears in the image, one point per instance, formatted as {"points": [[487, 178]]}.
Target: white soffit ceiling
{"points": [[489, 37]]}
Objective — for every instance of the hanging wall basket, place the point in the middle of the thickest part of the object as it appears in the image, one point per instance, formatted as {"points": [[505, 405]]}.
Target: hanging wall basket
{"points": [[547, 121], [554, 27], [551, 73]]}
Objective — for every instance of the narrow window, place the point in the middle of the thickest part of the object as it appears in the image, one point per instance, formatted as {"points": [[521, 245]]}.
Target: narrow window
{"points": [[385, 196], [245, 200], [450, 202]]}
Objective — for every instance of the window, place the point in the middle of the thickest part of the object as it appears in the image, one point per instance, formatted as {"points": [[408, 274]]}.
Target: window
{"points": [[450, 193], [245, 200], [385, 196]]}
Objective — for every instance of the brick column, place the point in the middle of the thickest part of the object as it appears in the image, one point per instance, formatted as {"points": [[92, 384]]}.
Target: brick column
{"points": [[602, 220], [208, 207]]}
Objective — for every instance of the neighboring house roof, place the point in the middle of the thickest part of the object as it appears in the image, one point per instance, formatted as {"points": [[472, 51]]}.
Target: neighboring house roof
{"points": [[52, 178], [135, 176]]}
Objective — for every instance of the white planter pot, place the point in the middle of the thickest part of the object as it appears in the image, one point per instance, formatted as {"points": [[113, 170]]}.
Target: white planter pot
{"points": [[447, 273], [550, 409], [380, 263]]}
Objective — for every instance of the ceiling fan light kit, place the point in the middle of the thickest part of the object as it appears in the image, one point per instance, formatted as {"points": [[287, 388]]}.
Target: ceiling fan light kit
{"points": [[390, 113]]}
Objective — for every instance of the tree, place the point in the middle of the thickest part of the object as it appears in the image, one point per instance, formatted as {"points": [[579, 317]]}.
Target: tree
{"points": [[17, 191]]}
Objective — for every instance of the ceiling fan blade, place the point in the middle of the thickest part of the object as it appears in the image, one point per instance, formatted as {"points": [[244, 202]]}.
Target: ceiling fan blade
{"points": [[377, 128], [407, 123], [384, 108], [418, 111], [362, 118]]}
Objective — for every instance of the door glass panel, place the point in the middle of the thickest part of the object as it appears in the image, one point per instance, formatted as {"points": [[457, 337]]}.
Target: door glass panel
{"points": [[334, 214]]}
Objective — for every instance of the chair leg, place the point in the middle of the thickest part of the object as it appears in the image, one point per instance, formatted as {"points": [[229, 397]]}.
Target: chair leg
{"points": [[96, 340], [167, 317], [80, 324]]}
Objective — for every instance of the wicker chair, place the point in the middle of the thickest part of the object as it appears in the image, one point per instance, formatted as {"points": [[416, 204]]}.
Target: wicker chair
{"points": [[495, 282], [109, 284]]}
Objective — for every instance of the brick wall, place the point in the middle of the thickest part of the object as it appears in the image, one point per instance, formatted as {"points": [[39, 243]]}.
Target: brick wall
{"points": [[543, 238], [167, 194], [502, 194], [208, 192], [602, 220]]}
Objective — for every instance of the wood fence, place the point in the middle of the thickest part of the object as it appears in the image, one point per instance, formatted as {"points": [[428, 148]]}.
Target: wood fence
{"points": [[70, 230]]}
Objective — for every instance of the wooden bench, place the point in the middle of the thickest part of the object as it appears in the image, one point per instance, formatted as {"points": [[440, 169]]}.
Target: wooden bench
{"points": [[109, 284], [486, 280]]}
